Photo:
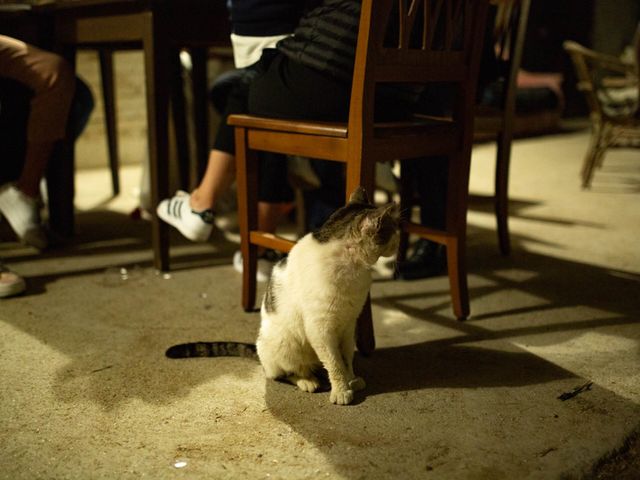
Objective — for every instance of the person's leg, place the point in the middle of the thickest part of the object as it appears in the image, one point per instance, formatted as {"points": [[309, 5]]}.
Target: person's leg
{"points": [[430, 178], [14, 113], [192, 213], [222, 87], [52, 82], [217, 178], [81, 107], [290, 90], [53, 85]]}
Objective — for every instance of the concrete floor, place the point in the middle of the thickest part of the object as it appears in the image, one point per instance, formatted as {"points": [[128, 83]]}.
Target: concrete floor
{"points": [[88, 393]]}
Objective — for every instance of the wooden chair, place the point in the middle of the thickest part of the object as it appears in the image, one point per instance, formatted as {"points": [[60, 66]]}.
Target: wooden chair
{"points": [[508, 35], [613, 123], [361, 142]]}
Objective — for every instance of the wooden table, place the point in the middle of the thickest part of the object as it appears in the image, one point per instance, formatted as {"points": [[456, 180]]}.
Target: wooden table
{"points": [[160, 28]]}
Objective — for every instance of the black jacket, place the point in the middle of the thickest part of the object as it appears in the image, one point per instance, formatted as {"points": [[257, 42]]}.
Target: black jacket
{"points": [[262, 18], [326, 37]]}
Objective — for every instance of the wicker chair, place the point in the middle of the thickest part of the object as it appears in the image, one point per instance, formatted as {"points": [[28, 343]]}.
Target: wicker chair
{"points": [[615, 119]]}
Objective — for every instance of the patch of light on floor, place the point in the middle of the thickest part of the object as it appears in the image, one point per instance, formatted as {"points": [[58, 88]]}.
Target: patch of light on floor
{"points": [[610, 361]]}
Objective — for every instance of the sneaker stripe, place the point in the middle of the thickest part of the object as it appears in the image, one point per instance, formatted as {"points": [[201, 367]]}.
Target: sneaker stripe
{"points": [[176, 208]]}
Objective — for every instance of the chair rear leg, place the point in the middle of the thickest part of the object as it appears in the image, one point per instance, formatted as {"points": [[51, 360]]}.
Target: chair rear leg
{"points": [[365, 339], [406, 205], [501, 198]]}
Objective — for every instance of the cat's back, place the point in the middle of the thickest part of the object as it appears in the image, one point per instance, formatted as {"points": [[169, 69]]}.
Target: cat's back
{"points": [[313, 260]]}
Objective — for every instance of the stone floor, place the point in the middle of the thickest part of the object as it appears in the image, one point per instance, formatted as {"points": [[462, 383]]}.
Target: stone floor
{"points": [[88, 393]]}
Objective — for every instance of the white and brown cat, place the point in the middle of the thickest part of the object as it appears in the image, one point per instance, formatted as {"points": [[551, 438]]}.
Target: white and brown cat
{"points": [[313, 300]]}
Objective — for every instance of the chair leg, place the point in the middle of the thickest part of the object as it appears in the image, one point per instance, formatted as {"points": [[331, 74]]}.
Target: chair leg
{"points": [[456, 262], [61, 188], [109, 101], [501, 197], [301, 217], [247, 188], [457, 200], [594, 153], [406, 203], [359, 174], [365, 339]]}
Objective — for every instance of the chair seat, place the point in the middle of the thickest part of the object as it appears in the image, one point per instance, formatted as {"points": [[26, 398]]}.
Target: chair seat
{"points": [[305, 138], [417, 125], [326, 129]]}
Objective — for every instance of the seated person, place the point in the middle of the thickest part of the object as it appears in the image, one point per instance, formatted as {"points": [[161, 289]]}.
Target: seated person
{"points": [[53, 84], [36, 96], [256, 25]]}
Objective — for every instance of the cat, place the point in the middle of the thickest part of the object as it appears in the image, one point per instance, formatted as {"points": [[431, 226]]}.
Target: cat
{"points": [[314, 297]]}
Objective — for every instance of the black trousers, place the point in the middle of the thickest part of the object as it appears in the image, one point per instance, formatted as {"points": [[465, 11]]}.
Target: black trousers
{"points": [[229, 95]]}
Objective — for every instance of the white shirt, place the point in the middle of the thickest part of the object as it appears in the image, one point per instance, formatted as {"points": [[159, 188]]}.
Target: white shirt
{"points": [[247, 50]]}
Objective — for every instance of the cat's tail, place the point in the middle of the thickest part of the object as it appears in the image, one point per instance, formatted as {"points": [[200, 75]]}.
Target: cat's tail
{"points": [[212, 349]]}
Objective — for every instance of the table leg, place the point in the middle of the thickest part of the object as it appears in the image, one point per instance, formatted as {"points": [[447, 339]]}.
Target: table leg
{"points": [[156, 51], [60, 174], [110, 112]]}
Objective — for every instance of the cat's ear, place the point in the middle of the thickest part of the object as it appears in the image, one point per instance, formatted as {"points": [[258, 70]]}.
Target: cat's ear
{"points": [[392, 209], [359, 196]]}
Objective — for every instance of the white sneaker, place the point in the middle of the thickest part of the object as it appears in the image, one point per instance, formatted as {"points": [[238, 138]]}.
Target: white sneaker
{"points": [[176, 211], [266, 261], [10, 283], [23, 214]]}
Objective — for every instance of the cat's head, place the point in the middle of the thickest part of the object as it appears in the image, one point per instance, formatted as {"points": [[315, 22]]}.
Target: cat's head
{"points": [[371, 229]]}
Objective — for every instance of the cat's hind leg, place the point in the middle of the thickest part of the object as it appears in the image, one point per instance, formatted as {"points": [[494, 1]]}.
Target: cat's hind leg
{"points": [[308, 383]]}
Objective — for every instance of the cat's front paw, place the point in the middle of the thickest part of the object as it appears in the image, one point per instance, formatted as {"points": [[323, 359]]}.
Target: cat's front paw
{"points": [[343, 397], [357, 383]]}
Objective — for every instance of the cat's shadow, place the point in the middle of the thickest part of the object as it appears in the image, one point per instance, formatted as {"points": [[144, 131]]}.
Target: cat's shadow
{"points": [[429, 366], [436, 366], [438, 387]]}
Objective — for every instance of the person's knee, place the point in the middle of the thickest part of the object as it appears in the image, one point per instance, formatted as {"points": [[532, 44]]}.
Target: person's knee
{"points": [[62, 78]]}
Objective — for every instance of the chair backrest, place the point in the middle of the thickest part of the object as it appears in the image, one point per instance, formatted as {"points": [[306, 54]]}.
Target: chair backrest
{"points": [[600, 77], [416, 42], [509, 31]]}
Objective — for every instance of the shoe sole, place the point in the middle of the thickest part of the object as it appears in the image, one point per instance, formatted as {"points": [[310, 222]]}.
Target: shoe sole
{"points": [[178, 226], [12, 289]]}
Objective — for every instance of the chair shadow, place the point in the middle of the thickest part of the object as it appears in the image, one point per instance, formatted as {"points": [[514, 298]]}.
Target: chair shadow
{"points": [[558, 284], [517, 209]]}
